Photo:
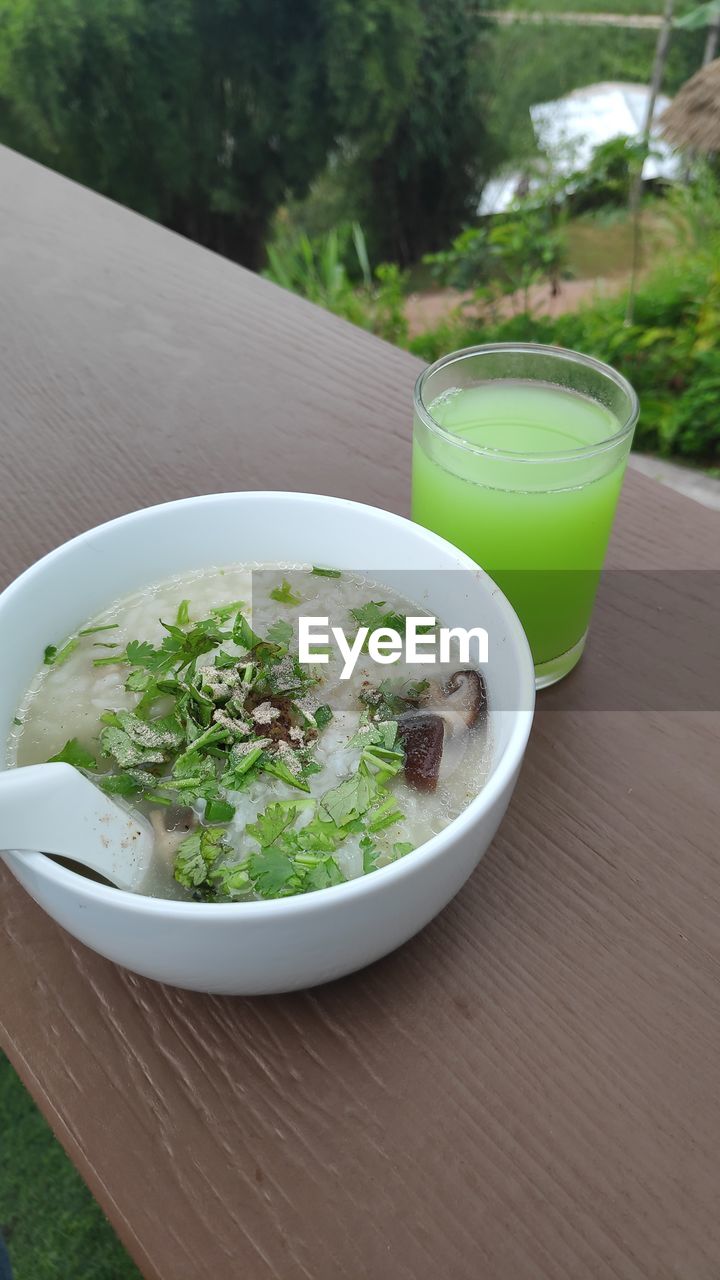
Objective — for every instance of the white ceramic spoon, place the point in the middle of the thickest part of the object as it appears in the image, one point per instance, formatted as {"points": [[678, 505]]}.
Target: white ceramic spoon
{"points": [[55, 809]]}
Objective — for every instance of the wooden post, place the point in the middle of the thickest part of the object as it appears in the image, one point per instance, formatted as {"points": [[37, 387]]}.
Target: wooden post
{"points": [[661, 49], [711, 43]]}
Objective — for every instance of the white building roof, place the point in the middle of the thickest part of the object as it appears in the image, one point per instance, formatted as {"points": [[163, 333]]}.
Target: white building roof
{"points": [[568, 131], [570, 128], [500, 192]]}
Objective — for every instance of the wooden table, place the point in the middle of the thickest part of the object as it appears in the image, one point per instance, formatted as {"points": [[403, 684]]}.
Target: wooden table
{"points": [[527, 1090]]}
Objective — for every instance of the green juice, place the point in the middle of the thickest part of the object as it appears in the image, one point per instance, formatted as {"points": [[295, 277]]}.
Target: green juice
{"points": [[534, 515]]}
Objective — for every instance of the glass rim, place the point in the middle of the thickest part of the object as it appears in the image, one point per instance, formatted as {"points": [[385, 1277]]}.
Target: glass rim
{"points": [[531, 348]]}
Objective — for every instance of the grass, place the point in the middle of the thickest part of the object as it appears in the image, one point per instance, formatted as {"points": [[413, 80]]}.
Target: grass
{"points": [[52, 1227], [600, 244], [590, 6]]}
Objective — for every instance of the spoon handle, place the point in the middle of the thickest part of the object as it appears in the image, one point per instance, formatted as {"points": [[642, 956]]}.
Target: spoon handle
{"points": [[53, 808]]}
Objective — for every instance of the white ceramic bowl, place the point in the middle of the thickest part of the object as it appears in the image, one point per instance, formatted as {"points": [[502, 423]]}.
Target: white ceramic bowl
{"points": [[258, 947]]}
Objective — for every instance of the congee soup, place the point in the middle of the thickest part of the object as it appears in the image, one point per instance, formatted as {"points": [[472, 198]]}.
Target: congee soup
{"points": [[262, 776]]}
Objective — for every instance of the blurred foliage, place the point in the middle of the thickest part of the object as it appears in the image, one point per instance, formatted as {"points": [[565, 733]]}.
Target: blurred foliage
{"points": [[506, 255], [208, 115], [204, 114], [212, 115], [671, 353], [325, 270], [532, 64], [52, 1226], [605, 182], [415, 192], [469, 113], [318, 269], [699, 18]]}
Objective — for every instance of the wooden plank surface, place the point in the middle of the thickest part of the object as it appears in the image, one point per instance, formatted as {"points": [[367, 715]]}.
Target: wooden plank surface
{"points": [[526, 1091]]}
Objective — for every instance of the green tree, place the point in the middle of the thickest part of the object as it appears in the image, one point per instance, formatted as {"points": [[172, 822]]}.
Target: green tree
{"points": [[507, 255], [414, 192], [203, 114], [540, 63]]}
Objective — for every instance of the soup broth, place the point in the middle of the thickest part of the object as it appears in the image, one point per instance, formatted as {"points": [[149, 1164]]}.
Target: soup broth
{"points": [[262, 777]]}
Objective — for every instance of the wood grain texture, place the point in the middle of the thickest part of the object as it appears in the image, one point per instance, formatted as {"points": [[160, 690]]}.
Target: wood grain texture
{"points": [[526, 1091]]}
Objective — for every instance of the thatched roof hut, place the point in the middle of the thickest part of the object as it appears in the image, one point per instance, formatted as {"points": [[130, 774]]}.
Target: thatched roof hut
{"points": [[693, 118]]}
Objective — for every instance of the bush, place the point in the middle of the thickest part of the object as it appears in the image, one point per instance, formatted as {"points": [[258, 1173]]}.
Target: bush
{"points": [[671, 353], [318, 269], [324, 270], [693, 429], [506, 255], [605, 183]]}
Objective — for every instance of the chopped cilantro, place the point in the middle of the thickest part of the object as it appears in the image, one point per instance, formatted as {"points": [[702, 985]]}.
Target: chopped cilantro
{"points": [[224, 612], [75, 754], [139, 681], [191, 737], [111, 717], [269, 825], [280, 633], [180, 648], [120, 784], [118, 744], [54, 657], [322, 715], [351, 799], [325, 873], [197, 854], [402, 847], [281, 771], [274, 874], [215, 733], [139, 652], [380, 756], [325, 573], [91, 631], [284, 594], [393, 697], [370, 854], [219, 811], [374, 615], [165, 734], [240, 769], [382, 734], [230, 882], [243, 633], [384, 815], [318, 836], [194, 777]]}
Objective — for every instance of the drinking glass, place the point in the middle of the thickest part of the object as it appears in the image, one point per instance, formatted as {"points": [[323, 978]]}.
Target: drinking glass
{"points": [[519, 453]]}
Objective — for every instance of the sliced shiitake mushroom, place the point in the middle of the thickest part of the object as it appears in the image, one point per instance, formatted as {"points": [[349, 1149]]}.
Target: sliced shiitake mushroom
{"points": [[422, 735], [454, 708], [465, 697], [171, 825]]}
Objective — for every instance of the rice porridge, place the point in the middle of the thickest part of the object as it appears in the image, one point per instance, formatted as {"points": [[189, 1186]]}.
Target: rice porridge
{"points": [[262, 777]]}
